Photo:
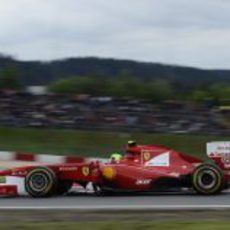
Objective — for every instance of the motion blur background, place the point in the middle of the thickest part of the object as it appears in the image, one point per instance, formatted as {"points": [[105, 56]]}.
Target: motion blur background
{"points": [[61, 94], [128, 98]]}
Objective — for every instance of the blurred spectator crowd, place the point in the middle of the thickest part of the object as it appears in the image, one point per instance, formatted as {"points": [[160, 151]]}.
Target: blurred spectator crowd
{"points": [[106, 113]]}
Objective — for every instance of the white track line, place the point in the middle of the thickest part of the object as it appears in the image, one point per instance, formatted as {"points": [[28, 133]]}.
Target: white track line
{"points": [[120, 207]]}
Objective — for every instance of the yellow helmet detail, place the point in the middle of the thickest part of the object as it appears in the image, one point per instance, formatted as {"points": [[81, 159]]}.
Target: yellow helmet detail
{"points": [[116, 156]]}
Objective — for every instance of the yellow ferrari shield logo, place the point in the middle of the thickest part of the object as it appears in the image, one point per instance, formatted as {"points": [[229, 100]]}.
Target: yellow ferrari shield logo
{"points": [[146, 155], [85, 170]]}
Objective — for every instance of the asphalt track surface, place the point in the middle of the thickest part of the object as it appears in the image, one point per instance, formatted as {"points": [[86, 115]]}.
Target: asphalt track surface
{"points": [[120, 202]]}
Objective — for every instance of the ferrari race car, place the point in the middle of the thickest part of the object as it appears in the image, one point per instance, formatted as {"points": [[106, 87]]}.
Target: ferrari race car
{"points": [[143, 168]]}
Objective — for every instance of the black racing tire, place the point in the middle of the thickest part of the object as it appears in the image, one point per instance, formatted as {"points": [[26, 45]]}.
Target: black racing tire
{"points": [[41, 182], [63, 187], [208, 179]]}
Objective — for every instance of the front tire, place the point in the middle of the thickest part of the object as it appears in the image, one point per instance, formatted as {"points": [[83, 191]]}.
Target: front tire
{"points": [[208, 179], [41, 182]]}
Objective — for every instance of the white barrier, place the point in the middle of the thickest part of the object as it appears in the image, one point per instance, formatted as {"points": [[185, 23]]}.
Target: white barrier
{"points": [[19, 182], [43, 158], [103, 160], [6, 155]]}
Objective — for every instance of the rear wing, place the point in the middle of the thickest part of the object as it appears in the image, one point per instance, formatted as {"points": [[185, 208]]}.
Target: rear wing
{"points": [[219, 151]]}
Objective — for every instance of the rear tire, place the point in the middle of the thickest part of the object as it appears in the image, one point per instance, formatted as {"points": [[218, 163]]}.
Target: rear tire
{"points": [[41, 182], [208, 179]]}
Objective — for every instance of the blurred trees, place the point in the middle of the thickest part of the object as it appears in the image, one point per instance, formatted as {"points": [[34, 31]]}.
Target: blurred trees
{"points": [[220, 91], [217, 92], [9, 78], [125, 85], [94, 85], [120, 86]]}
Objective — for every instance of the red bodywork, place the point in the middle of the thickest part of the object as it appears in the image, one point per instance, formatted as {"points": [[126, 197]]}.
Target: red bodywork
{"points": [[150, 167], [143, 168]]}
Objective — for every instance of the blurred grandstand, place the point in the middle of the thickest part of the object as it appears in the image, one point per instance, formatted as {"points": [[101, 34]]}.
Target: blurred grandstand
{"points": [[24, 109]]}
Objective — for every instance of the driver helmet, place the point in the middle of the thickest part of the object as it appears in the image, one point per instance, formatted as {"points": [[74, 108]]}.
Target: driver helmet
{"points": [[116, 156]]}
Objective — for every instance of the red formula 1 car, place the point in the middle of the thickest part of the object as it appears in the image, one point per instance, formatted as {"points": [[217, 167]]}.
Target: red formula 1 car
{"points": [[143, 168]]}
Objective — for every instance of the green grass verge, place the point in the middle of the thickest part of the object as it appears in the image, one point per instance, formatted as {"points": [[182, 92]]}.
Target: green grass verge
{"points": [[94, 143], [2, 179], [189, 225]]}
